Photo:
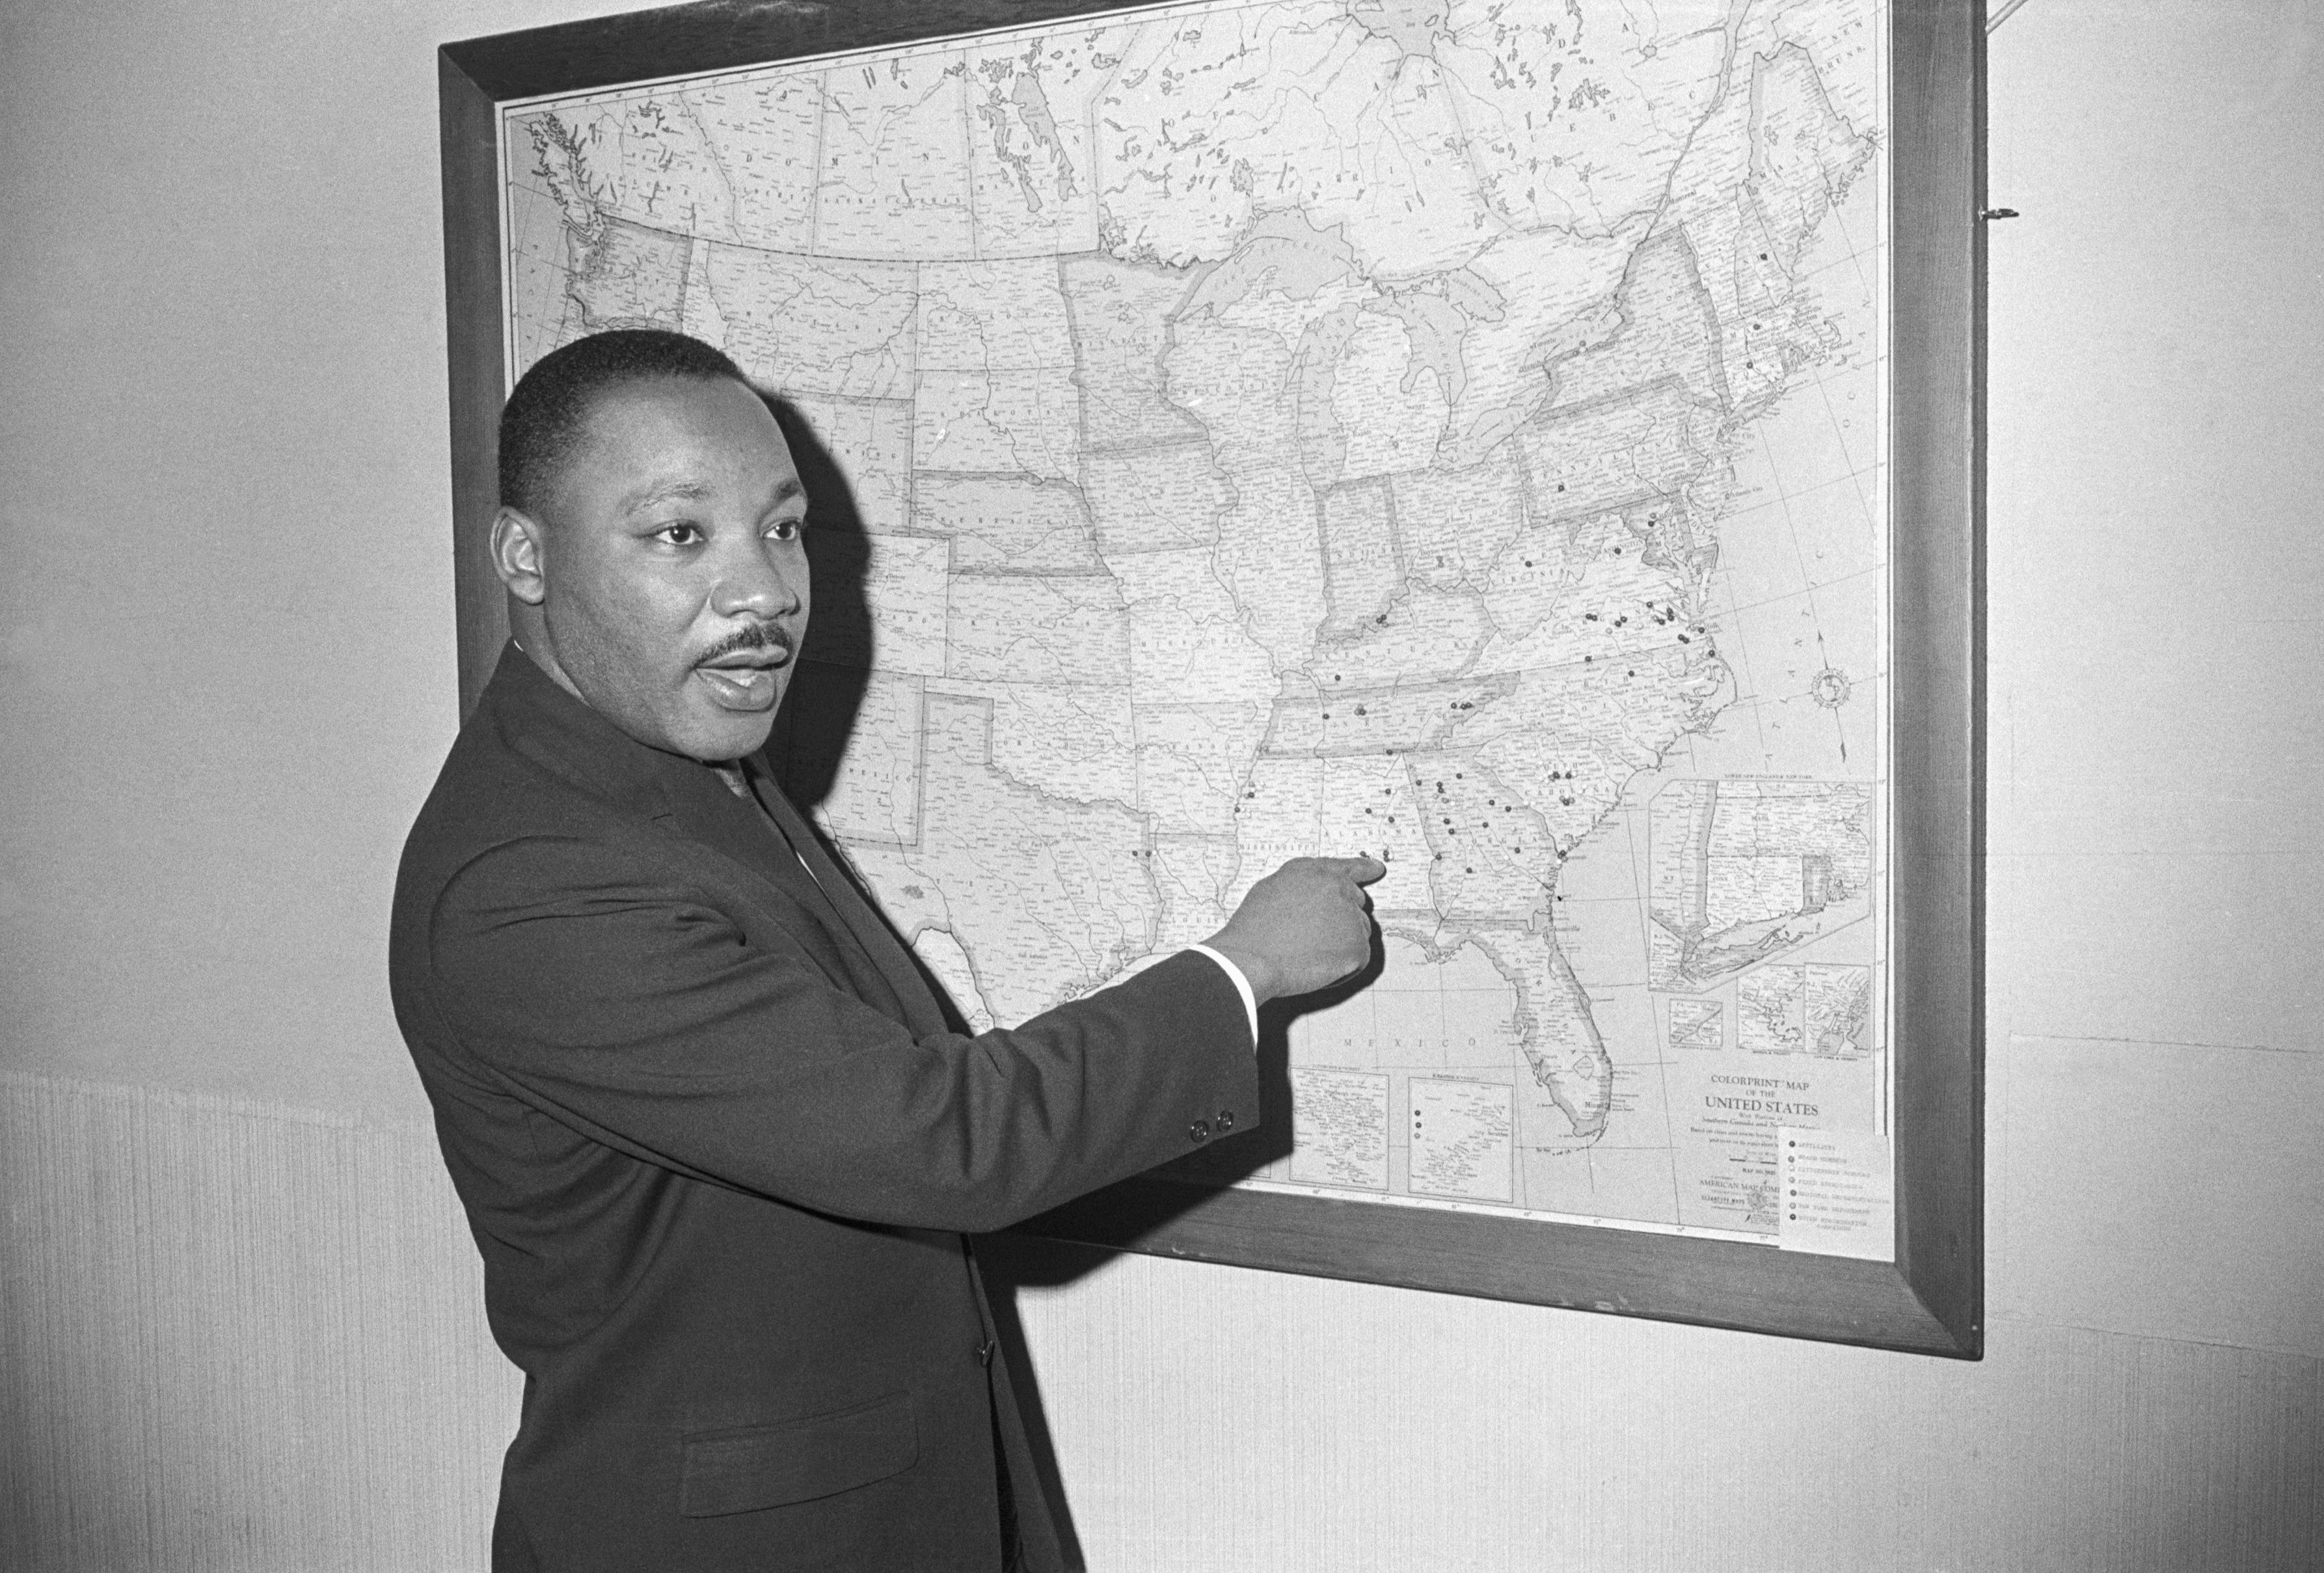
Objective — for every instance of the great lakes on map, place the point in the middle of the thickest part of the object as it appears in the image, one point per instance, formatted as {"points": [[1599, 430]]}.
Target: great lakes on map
{"points": [[1445, 430]]}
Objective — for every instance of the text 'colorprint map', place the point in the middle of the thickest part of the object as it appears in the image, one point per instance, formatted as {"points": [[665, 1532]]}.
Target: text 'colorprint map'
{"points": [[1449, 432]]}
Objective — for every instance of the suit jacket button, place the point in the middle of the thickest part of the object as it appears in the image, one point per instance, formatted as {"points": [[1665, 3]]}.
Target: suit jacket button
{"points": [[984, 1352], [1200, 1131], [1226, 1119]]}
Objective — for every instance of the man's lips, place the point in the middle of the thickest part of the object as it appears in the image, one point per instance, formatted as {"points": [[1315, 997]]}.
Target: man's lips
{"points": [[744, 680]]}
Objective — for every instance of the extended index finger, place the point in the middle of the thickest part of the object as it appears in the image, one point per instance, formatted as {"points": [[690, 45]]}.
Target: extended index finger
{"points": [[1362, 869]]}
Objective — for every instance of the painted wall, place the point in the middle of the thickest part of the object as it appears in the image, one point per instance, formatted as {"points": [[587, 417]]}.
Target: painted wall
{"points": [[223, 489], [241, 1335]]}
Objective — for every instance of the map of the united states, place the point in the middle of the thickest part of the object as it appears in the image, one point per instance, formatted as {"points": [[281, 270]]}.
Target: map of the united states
{"points": [[1272, 429]]}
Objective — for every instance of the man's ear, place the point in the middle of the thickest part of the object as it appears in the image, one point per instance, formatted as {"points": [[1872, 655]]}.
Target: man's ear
{"points": [[516, 555]]}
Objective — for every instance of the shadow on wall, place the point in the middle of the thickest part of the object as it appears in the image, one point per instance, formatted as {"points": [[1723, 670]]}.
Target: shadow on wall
{"points": [[835, 666]]}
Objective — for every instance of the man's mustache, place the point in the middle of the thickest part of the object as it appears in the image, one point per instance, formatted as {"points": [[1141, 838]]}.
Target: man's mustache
{"points": [[755, 637]]}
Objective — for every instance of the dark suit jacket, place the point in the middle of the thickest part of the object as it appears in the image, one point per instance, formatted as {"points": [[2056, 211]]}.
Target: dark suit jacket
{"points": [[716, 1143]]}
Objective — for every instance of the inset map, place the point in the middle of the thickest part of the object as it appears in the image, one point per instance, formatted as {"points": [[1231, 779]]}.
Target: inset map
{"points": [[1343, 1115], [1838, 1001], [1695, 1024], [1742, 871], [1825, 1011], [1769, 1010]]}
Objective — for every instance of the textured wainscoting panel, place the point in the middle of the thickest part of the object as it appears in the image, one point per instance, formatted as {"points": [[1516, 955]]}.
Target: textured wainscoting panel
{"points": [[1217, 1418], [248, 1339], [237, 1337]]}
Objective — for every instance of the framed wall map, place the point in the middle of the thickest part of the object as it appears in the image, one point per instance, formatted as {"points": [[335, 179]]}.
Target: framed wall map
{"points": [[1534, 441]]}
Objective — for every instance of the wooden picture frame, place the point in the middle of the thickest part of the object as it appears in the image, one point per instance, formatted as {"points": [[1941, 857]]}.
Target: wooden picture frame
{"points": [[1931, 1299]]}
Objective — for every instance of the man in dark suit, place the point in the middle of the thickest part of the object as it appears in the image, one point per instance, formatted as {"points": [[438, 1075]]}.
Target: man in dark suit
{"points": [[718, 1144]]}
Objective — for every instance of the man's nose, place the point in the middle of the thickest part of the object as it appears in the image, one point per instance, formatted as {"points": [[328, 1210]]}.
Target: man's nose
{"points": [[752, 583]]}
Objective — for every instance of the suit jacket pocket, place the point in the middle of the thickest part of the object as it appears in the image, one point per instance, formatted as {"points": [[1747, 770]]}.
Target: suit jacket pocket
{"points": [[743, 1468]]}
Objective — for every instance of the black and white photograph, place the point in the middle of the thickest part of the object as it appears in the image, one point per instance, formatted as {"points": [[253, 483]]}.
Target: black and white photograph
{"points": [[1220, 786]]}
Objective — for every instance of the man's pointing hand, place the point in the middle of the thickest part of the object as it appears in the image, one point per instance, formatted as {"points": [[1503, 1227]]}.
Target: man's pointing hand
{"points": [[1304, 926]]}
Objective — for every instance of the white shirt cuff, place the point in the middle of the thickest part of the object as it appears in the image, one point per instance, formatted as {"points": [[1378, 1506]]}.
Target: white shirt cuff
{"points": [[1242, 987]]}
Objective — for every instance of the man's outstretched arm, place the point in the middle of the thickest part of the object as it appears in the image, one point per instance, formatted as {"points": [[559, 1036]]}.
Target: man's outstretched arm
{"points": [[636, 1014]]}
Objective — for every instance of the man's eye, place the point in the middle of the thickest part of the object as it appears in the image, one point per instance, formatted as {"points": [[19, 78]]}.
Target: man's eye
{"points": [[678, 535], [784, 529]]}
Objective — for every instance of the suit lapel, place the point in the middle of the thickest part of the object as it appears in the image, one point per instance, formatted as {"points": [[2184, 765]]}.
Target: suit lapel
{"points": [[540, 721], [922, 1013], [705, 811]]}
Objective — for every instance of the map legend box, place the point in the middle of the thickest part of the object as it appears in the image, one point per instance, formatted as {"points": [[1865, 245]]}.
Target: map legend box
{"points": [[1838, 1192]]}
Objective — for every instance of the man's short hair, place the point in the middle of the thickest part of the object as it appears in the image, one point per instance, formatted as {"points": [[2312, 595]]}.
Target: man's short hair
{"points": [[543, 416]]}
